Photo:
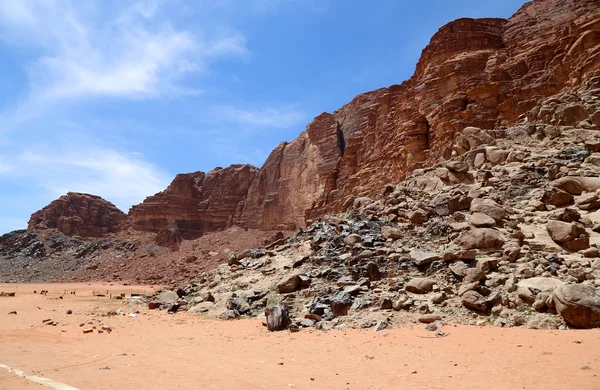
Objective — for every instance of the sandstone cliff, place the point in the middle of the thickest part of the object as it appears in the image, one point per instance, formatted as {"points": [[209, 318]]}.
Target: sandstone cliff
{"points": [[479, 73], [485, 73], [79, 214], [196, 202]]}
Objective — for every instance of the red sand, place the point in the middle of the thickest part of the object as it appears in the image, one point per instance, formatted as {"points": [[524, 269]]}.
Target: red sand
{"points": [[155, 350]]}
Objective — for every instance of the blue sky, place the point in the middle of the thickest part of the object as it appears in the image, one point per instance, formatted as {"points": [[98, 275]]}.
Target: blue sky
{"points": [[115, 97]]}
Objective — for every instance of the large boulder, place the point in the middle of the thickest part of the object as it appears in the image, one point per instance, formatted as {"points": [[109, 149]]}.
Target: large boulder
{"points": [[481, 220], [420, 285], [541, 284], [167, 297], [488, 207], [475, 301], [578, 304], [447, 203], [572, 236], [420, 258], [289, 284], [278, 318], [557, 197], [481, 238]]}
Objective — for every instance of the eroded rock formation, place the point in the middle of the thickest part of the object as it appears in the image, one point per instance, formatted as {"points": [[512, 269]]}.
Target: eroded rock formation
{"points": [[485, 73], [474, 78], [197, 202], [79, 214]]}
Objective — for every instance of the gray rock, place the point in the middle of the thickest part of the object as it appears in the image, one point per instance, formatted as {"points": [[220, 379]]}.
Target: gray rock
{"points": [[167, 297], [278, 317], [340, 303]]}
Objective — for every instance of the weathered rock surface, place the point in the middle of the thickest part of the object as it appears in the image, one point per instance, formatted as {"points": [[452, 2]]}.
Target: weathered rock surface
{"points": [[578, 304], [197, 202], [278, 318], [475, 75], [79, 214]]}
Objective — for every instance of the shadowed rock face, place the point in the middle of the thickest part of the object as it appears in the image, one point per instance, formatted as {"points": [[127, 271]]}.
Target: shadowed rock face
{"points": [[79, 214], [196, 202]]}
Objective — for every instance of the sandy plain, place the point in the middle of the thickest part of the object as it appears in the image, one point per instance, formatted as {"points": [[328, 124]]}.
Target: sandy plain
{"points": [[154, 350]]}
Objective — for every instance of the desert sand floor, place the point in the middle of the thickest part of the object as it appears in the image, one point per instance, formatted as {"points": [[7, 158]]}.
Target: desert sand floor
{"points": [[154, 350]]}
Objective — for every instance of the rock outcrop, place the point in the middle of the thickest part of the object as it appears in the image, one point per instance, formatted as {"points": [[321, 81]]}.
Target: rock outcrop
{"points": [[537, 70], [482, 73], [197, 202], [79, 214]]}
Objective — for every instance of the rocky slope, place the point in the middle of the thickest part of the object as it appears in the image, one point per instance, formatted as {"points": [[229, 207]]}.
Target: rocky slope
{"points": [[506, 234]]}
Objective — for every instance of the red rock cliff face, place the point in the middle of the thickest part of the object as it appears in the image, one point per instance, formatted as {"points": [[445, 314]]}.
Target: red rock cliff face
{"points": [[485, 73], [196, 202], [79, 214]]}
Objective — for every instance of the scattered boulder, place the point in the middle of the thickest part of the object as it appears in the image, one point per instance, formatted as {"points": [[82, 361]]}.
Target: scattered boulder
{"points": [[578, 304], [420, 285], [353, 239], [572, 236], [167, 297], [278, 318], [420, 258], [340, 303], [373, 271], [481, 220], [289, 284], [475, 301], [418, 216], [489, 208], [391, 233], [481, 238]]}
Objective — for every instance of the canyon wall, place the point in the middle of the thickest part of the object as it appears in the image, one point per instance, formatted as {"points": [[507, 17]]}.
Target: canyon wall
{"points": [[485, 73], [196, 202]]}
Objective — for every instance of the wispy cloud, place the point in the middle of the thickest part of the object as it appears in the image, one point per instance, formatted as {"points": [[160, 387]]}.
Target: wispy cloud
{"points": [[282, 117], [122, 178], [133, 53]]}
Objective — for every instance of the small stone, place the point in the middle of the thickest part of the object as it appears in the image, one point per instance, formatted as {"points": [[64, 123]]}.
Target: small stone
{"points": [[429, 318], [353, 239], [420, 285], [420, 258]]}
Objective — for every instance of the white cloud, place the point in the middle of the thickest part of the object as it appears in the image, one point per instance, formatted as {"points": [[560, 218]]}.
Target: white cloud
{"points": [[283, 117], [88, 50], [124, 179]]}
